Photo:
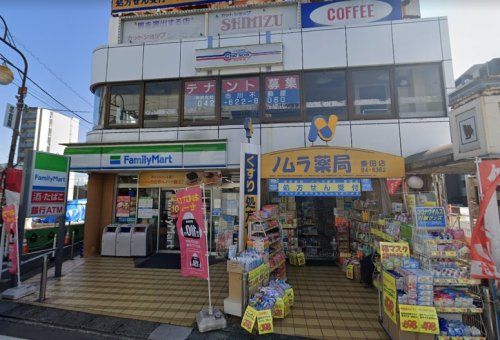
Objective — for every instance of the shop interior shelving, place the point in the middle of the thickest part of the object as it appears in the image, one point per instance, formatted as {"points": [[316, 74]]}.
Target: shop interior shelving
{"points": [[270, 229]]}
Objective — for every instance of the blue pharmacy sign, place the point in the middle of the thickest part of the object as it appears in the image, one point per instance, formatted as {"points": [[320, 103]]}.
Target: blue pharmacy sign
{"points": [[430, 217], [251, 173], [366, 184], [319, 187], [343, 13]]}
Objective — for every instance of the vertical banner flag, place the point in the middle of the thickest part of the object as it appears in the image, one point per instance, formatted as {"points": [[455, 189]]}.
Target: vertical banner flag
{"points": [[249, 186], [13, 185], [393, 185], [10, 224], [191, 230], [485, 240]]}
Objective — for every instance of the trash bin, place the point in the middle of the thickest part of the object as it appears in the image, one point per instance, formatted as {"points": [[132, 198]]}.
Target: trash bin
{"points": [[108, 243], [123, 238], [142, 240]]}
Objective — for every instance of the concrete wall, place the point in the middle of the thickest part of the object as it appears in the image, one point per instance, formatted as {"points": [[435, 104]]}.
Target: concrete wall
{"points": [[387, 43]]}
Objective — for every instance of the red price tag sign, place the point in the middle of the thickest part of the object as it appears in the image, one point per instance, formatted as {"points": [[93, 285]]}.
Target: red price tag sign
{"points": [[265, 321]]}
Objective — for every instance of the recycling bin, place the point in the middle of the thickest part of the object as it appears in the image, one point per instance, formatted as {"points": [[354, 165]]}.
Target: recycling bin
{"points": [[142, 240], [123, 239], [108, 243]]}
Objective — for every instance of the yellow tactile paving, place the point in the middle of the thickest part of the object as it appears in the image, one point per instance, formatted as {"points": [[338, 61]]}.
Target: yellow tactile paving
{"points": [[326, 303]]}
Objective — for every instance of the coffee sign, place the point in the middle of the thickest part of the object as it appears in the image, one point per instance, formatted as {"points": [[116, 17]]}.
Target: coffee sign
{"points": [[342, 13]]}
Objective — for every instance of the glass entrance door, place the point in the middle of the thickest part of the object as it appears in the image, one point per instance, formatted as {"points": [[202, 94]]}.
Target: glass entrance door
{"points": [[168, 240]]}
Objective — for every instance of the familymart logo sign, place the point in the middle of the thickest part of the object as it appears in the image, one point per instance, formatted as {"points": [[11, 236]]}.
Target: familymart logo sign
{"points": [[163, 160]]}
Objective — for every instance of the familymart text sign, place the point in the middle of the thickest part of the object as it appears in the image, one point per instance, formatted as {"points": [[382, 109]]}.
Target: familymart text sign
{"points": [[48, 185]]}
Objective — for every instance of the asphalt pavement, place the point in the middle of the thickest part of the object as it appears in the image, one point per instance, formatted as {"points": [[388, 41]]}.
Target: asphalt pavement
{"points": [[17, 329]]}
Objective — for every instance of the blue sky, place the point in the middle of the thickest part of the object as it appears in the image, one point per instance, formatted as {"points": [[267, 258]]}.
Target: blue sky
{"points": [[63, 33]]}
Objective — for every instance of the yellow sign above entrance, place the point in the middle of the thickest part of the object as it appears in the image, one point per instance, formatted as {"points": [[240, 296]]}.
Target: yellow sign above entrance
{"points": [[331, 162]]}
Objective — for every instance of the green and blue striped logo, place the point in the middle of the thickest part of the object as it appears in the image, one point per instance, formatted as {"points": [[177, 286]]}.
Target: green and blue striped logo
{"points": [[114, 159]]}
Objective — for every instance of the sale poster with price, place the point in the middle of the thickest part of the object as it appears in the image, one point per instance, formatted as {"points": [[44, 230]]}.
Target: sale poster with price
{"points": [[191, 230], [419, 319], [389, 295]]}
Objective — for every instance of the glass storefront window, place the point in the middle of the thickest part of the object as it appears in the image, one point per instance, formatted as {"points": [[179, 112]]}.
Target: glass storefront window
{"points": [[239, 99], [420, 91], [99, 105], [124, 104], [161, 104], [199, 101], [282, 97], [126, 199], [325, 94], [371, 91]]}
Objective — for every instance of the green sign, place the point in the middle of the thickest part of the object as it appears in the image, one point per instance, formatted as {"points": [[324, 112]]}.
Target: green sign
{"points": [[48, 184]]}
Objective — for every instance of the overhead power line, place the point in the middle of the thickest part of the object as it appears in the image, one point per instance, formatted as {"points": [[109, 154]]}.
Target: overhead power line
{"points": [[52, 97], [52, 72]]}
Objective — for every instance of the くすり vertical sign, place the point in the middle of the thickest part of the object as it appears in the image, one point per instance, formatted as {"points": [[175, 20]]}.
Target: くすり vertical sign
{"points": [[191, 231], [249, 187]]}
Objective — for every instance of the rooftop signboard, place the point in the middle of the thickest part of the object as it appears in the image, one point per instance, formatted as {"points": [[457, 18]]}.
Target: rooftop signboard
{"points": [[342, 13], [126, 6]]}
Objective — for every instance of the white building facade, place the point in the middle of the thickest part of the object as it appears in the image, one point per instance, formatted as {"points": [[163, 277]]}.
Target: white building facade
{"points": [[194, 77]]}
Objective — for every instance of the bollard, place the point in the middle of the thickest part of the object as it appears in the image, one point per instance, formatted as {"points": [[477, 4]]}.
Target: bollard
{"points": [[54, 243], [72, 245], [43, 279]]}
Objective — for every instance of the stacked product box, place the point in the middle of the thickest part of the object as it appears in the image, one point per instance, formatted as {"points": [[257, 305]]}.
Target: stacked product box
{"points": [[418, 287]]}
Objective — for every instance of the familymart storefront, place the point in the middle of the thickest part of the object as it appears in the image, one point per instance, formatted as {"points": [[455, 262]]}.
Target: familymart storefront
{"points": [[136, 183]]}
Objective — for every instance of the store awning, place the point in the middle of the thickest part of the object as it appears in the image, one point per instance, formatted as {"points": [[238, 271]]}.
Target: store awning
{"points": [[331, 162], [148, 156], [438, 161]]}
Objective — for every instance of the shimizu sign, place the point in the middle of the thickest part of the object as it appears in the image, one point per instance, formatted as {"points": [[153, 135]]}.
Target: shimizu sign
{"points": [[331, 162], [247, 55], [148, 156]]}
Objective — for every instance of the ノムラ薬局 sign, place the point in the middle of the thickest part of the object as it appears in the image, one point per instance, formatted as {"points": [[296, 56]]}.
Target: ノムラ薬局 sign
{"points": [[342, 13]]}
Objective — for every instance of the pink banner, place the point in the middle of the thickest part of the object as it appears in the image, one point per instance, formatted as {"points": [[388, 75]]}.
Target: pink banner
{"points": [[191, 231], [485, 234], [10, 224]]}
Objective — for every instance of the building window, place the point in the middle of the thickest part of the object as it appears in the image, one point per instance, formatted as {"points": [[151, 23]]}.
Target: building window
{"points": [[239, 99], [420, 91], [161, 104], [325, 94], [371, 91], [282, 97], [124, 104], [99, 105], [199, 101]]}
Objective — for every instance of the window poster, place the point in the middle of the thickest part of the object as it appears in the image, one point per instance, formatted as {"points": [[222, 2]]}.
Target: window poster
{"points": [[199, 96], [282, 92], [123, 206], [240, 93]]}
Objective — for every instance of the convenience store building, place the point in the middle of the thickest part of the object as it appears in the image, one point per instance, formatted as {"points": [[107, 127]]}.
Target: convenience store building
{"points": [[172, 91]]}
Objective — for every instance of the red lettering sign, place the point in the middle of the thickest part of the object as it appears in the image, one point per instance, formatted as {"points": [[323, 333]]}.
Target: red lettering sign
{"points": [[47, 197]]}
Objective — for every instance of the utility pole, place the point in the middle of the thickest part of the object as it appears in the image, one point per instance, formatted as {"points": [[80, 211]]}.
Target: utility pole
{"points": [[21, 93]]}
